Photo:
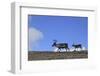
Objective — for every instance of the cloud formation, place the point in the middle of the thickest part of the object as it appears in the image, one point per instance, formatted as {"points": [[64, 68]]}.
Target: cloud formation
{"points": [[70, 50], [34, 37]]}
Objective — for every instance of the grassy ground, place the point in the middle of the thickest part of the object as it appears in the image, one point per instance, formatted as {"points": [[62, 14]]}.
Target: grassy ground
{"points": [[56, 55]]}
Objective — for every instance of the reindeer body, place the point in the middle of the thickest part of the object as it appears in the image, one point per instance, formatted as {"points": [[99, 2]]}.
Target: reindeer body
{"points": [[60, 45], [77, 46]]}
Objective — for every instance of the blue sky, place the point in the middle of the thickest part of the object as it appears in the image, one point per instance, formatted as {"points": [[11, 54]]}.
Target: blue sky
{"points": [[67, 29]]}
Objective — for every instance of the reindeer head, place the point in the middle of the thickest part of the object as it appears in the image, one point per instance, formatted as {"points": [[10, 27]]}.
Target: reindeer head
{"points": [[54, 44], [73, 45]]}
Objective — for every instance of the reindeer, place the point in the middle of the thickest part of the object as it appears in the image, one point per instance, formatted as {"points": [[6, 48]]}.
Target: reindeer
{"points": [[76, 46], [60, 45]]}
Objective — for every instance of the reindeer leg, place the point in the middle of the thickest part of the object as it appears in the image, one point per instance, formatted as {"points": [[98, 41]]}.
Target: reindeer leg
{"points": [[66, 49], [81, 48], [75, 49], [59, 49]]}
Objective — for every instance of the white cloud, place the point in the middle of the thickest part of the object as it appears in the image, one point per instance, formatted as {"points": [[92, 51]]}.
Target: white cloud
{"points": [[34, 37], [70, 50], [55, 49]]}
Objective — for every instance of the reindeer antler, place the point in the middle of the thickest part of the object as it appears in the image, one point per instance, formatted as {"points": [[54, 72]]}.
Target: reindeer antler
{"points": [[55, 40]]}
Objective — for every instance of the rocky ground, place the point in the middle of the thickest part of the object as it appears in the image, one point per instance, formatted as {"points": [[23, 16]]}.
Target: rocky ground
{"points": [[56, 55]]}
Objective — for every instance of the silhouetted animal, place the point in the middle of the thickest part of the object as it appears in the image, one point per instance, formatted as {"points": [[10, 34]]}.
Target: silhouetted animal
{"points": [[60, 45], [77, 46]]}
